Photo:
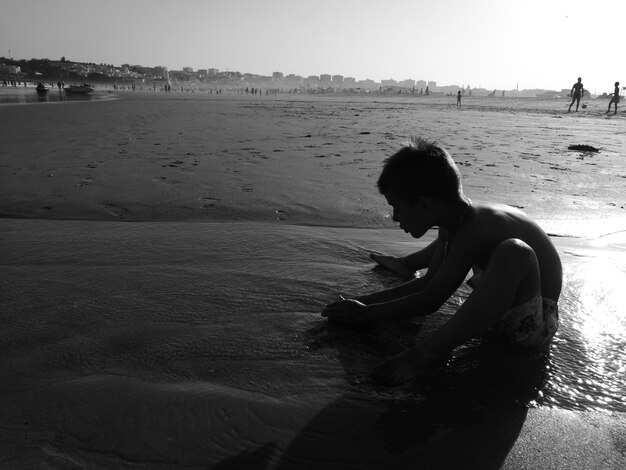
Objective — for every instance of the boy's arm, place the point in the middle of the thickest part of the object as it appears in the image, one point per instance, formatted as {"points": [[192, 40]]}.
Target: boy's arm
{"points": [[444, 283], [408, 265], [434, 253], [423, 258], [407, 288]]}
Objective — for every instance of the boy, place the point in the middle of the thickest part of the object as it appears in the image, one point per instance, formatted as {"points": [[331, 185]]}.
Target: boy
{"points": [[576, 94], [517, 270], [615, 98]]}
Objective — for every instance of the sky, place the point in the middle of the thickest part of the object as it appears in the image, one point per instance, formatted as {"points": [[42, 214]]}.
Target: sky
{"points": [[493, 44]]}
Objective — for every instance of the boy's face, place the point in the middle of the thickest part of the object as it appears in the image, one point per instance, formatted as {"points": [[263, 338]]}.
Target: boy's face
{"points": [[413, 218]]}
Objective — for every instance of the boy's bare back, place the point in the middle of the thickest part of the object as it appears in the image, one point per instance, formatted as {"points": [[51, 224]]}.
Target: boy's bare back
{"points": [[488, 225]]}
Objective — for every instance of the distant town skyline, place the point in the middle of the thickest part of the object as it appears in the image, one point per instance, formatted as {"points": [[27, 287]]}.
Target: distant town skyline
{"points": [[485, 44]]}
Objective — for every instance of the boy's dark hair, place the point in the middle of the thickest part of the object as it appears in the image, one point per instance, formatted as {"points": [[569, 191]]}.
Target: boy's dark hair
{"points": [[421, 168]]}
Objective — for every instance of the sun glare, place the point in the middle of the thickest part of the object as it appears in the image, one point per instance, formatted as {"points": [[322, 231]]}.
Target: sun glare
{"points": [[603, 303]]}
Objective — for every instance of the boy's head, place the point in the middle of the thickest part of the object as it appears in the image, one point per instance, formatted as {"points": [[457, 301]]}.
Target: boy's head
{"points": [[421, 169]]}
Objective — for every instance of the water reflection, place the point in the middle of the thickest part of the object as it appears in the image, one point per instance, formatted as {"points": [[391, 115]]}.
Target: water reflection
{"points": [[603, 297], [589, 362], [28, 95]]}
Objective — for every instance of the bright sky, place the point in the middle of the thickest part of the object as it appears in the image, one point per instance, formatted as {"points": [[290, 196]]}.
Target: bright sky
{"points": [[495, 44]]}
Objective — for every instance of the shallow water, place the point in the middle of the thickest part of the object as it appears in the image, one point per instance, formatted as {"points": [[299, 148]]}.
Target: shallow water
{"points": [[186, 302], [28, 95], [194, 342]]}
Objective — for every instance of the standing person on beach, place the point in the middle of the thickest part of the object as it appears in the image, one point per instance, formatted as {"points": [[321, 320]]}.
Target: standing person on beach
{"points": [[517, 273], [576, 93], [615, 98], [458, 99]]}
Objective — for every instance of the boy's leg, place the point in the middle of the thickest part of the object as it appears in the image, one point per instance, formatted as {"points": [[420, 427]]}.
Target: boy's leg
{"points": [[511, 279]]}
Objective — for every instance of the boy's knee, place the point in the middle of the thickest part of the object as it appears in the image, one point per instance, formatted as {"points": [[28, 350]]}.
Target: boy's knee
{"points": [[514, 255]]}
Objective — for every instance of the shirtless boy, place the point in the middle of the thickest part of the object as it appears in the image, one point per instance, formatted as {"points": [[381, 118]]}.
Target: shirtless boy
{"points": [[576, 93], [615, 98], [517, 270]]}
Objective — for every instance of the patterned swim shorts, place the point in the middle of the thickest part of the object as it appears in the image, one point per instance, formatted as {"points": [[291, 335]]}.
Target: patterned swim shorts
{"points": [[530, 325]]}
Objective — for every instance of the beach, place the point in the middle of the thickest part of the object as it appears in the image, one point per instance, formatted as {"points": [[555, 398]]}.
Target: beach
{"points": [[166, 258], [188, 156]]}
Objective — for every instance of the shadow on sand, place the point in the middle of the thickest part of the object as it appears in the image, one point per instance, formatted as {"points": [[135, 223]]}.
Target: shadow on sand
{"points": [[466, 416]]}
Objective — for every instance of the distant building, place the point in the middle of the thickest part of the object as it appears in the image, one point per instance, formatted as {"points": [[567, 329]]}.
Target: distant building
{"points": [[349, 81], [161, 72], [368, 84], [337, 80], [293, 79], [390, 82], [10, 69], [212, 72], [407, 83], [188, 69], [325, 78], [419, 84], [277, 75], [432, 85]]}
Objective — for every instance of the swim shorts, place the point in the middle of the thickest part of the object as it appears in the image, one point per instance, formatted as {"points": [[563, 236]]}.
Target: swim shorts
{"points": [[530, 325]]}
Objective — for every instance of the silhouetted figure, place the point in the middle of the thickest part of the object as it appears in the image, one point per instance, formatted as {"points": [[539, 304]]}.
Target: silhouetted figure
{"points": [[517, 272], [615, 98], [576, 94], [458, 99]]}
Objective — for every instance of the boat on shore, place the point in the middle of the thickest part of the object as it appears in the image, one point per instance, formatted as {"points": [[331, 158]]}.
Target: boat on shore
{"points": [[41, 88], [84, 88]]}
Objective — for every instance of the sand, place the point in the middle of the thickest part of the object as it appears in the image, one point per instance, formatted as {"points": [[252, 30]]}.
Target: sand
{"points": [[186, 156], [144, 239]]}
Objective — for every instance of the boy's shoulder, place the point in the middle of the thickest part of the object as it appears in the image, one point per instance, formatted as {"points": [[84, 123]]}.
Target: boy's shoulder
{"points": [[486, 226], [489, 222], [496, 208], [495, 216]]}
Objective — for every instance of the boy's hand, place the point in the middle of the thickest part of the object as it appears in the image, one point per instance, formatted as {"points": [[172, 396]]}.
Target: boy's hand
{"points": [[346, 311], [395, 265]]}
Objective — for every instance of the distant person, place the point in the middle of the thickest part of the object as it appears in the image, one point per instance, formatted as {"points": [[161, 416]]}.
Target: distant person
{"points": [[615, 98], [576, 93], [458, 98], [517, 270]]}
